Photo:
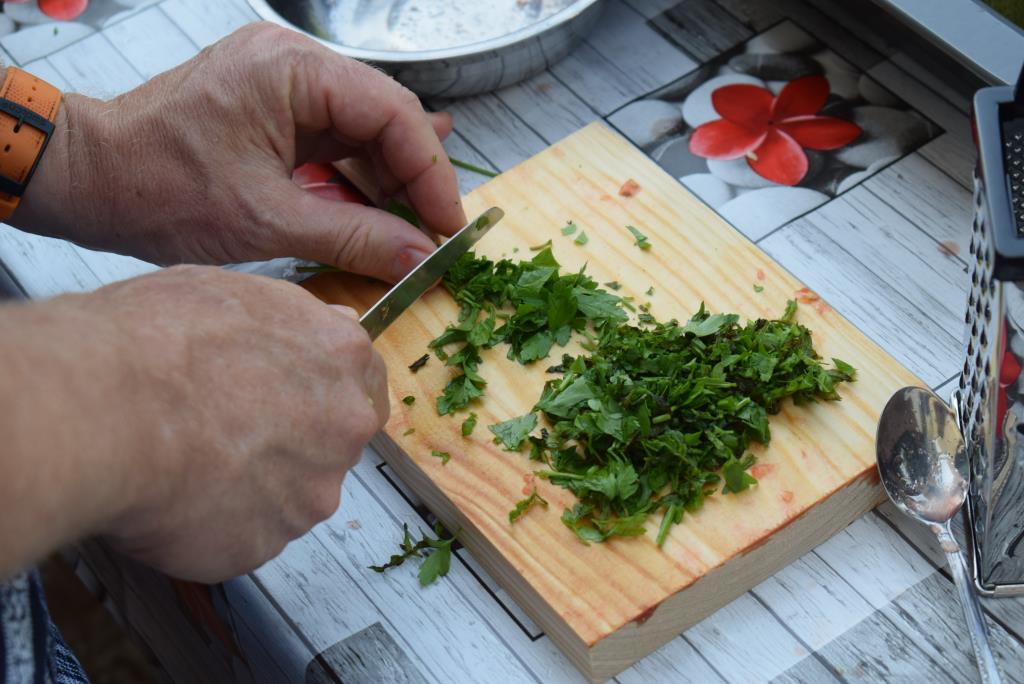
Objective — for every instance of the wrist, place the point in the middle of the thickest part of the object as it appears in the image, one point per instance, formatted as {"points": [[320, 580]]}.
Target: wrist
{"points": [[69, 439], [54, 203]]}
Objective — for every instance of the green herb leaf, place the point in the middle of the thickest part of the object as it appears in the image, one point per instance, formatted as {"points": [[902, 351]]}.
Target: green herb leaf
{"points": [[581, 239], [758, 288], [403, 211], [443, 455], [569, 228], [641, 240], [408, 431], [457, 394], [650, 291], [409, 549], [409, 400], [512, 433], [469, 425], [419, 363], [438, 554], [735, 474], [525, 504], [846, 371], [438, 562]]}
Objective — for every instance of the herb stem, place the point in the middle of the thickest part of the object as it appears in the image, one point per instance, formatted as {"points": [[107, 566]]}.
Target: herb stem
{"points": [[472, 167], [670, 519]]}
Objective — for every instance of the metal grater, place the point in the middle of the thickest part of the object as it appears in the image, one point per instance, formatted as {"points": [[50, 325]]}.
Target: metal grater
{"points": [[989, 400]]}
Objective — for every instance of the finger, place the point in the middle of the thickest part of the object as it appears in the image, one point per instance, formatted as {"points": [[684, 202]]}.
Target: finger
{"points": [[345, 310], [351, 236], [376, 379], [324, 95], [442, 123]]}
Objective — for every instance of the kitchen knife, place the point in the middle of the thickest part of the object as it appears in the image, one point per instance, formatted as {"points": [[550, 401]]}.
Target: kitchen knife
{"points": [[423, 277]]}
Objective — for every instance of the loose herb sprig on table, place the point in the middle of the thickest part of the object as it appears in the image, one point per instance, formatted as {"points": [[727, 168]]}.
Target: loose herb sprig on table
{"points": [[437, 561]]}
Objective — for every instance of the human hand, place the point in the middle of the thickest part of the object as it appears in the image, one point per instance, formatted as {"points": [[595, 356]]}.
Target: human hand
{"points": [[247, 400], [195, 165]]}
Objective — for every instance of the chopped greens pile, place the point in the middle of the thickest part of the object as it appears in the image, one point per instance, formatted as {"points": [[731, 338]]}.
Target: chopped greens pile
{"points": [[527, 305], [654, 417]]}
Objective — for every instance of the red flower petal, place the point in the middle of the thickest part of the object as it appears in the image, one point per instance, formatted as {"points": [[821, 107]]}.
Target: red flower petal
{"points": [[801, 97], [820, 132], [748, 105], [779, 159], [63, 10], [723, 139]]}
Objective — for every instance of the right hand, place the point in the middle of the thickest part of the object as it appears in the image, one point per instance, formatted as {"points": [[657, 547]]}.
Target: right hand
{"points": [[247, 400]]}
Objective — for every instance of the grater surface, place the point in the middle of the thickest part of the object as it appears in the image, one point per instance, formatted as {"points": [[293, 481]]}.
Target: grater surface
{"points": [[1013, 162]]}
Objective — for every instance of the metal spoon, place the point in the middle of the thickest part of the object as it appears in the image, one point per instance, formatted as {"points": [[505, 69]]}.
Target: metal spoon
{"points": [[923, 465]]}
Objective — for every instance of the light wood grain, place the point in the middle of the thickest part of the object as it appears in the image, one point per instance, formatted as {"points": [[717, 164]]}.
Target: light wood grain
{"points": [[819, 471]]}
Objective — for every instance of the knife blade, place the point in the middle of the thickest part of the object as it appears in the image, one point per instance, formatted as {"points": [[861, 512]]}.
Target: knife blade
{"points": [[420, 279]]}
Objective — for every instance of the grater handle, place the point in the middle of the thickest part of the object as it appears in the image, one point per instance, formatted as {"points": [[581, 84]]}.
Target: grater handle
{"points": [[972, 609]]}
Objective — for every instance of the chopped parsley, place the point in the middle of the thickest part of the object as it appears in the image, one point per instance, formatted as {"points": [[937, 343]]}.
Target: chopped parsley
{"points": [[651, 418], [443, 455], [641, 240], [419, 363], [657, 418], [569, 228], [581, 239], [758, 288], [512, 433], [528, 305], [525, 504], [409, 400], [469, 425]]}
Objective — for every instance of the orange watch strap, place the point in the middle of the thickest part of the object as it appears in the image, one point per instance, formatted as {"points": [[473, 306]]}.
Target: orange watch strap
{"points": [[23, 135]]}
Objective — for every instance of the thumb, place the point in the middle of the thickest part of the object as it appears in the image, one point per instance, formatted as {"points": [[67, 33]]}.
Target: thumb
{"points": [[351, 236]]}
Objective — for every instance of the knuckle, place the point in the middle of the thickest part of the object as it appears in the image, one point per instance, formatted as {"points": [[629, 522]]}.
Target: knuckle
{"points": [[352, 243], [324, 502], [363, 424], [407, 98]]}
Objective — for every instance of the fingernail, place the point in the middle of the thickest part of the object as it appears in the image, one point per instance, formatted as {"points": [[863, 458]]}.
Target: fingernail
{"points": [[408, 259]]}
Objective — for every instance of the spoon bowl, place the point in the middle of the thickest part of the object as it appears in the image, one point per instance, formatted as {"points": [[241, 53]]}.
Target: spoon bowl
{"points": [[922, 460]]}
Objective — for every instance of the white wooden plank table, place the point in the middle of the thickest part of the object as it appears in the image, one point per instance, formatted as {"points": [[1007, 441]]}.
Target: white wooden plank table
{"points": [[875, 603]]}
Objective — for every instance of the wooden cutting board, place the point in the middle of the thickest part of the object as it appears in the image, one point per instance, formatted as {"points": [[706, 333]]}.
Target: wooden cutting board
{"points": [[608, 605]]}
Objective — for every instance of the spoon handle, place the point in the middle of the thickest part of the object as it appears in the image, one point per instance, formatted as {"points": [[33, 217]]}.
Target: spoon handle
{"points": [[972, 609]]}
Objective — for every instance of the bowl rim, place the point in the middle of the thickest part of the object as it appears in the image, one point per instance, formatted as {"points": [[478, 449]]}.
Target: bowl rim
{"points": [[566, 14]]}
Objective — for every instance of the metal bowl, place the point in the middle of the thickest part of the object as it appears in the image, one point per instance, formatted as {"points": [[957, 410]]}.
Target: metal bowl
{"points": [[434, 47]]}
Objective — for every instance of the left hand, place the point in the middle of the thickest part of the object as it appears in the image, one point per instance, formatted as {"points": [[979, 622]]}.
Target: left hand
{"points": [[195, 165]]}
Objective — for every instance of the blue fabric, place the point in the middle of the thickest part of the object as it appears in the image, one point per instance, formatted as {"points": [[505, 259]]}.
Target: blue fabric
{"points": [[32, 650]]}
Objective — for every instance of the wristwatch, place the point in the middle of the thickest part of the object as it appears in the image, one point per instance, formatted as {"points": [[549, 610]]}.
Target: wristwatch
{"points": [[28, 109]]}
